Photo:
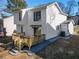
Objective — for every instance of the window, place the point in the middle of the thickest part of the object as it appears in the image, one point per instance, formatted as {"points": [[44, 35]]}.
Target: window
{"points": [[22, 32], [37, 15], [20, 15], [21, 29], [58, 27]]}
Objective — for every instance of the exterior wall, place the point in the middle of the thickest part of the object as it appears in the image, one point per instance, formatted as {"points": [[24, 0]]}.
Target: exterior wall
{"points": [[18, 28], [71, 28], [29, 29], [9, 25], [68, 28], [75, 19], [1, 23], [27, 21], [64, 27], [23, 22], [24, 17], [53, 19]]}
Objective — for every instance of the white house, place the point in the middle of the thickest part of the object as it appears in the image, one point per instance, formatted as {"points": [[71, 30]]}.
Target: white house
{"points": [[9, 25], [46, 19], [75, 19]]}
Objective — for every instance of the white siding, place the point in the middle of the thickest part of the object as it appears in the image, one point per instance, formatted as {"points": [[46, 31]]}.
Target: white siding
{"points": [[29, 29], [9, 25], [71, 28], [64, 27], [68, 28], [24, 18], [53, 19]]}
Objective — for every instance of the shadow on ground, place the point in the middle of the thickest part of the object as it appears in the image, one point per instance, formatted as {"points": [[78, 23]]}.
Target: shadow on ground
{"points": [[62, 49]]}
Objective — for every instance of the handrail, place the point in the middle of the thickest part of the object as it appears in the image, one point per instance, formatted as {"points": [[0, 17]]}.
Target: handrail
{"points": [[29, 41]]}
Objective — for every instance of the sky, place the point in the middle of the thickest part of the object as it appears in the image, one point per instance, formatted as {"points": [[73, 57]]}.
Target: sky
{"points": [[32, 3]]}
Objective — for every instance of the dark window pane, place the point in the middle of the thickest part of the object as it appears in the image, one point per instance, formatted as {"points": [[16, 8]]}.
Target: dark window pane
{"points": [[21, 29], [34, 16], [37, 15], [20, 15]]}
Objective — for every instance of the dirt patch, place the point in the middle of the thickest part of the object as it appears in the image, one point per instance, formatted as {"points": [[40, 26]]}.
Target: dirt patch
{"points": [[6, 55], [62, 49]]}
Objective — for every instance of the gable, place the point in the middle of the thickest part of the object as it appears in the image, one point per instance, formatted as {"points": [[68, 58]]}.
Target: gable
{"points": [[56, 8], [54, 5], [53, 8]]}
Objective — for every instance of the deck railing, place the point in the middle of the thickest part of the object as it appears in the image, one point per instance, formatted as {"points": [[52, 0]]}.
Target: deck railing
{"points": [[20, 41]]}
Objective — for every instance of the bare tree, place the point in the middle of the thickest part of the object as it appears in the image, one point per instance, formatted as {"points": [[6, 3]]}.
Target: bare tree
{"points": [[77, 13], [70, 5], [62, 6]]}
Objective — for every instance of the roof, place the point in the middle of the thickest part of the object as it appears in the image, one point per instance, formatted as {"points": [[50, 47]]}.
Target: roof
{"points": [[45, 5], [7, 17], [57, 5], [68, 21]]}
